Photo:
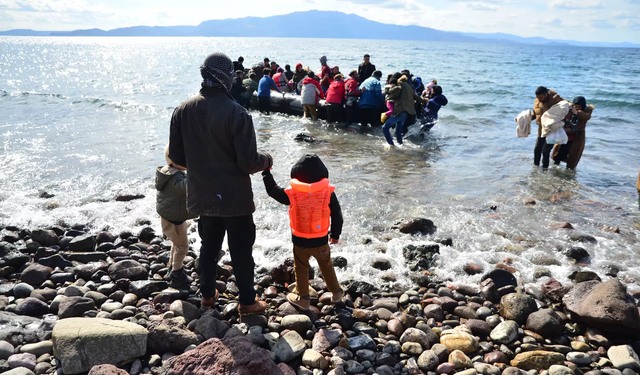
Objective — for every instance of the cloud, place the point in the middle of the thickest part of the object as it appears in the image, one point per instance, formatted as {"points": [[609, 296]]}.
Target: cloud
{"points": [[482, 6], [601, 24], [575, 4], [9, 4]]}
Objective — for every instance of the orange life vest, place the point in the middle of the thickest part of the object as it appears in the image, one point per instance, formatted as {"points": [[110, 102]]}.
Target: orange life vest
{"points": [[309, 212]]}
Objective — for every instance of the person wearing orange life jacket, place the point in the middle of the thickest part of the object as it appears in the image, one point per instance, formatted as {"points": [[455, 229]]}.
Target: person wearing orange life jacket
{"points": [[316, 221], [281, 80]]}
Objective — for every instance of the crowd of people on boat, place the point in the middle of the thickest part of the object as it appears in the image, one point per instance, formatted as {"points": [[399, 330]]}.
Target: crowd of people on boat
{"points": [[359, 97]]}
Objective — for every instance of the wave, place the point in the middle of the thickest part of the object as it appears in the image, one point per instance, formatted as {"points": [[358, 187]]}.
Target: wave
{"points": [[32, 93], [616, 104]]}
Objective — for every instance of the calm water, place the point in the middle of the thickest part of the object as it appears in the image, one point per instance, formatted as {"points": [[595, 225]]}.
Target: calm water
{"points": [[88, 118]]}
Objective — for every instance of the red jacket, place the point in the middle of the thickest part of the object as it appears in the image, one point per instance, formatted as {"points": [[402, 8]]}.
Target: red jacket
{"points": [[352, 87], [308, 95], [325, 75], [336, 92]]}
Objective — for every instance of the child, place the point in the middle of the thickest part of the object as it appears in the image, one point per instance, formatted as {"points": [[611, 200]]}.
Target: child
{"points": [[312, 207], [171, 205], [390, 96]]}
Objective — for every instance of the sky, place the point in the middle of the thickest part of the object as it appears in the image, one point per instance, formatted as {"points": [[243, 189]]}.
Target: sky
{"points": [[582, 20]]}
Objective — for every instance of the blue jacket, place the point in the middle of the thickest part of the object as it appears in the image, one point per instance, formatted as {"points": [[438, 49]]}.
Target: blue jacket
{"points": [[373, 96], [433, 106], [265, 85]]}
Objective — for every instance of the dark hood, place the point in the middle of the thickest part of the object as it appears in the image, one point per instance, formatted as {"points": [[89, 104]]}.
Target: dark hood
{"points": [[441, 99], [309, 169]]}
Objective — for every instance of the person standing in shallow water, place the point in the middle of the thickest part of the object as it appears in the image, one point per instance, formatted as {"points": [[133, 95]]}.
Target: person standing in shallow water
{"points": [[576, 124], [213, 137], [366, 69], [545, 99]]}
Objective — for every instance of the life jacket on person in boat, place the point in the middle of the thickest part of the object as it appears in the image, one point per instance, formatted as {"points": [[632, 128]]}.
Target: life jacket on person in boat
{"points": [[280, 81], [309, 212]]}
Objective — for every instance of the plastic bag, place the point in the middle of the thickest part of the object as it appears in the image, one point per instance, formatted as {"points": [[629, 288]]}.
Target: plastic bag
{"points": [[558, 137]]}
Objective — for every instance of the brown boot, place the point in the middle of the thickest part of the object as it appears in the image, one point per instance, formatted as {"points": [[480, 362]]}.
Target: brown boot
{"points": [[300, 303], [258, 307], [208, 303], [337, 296]]}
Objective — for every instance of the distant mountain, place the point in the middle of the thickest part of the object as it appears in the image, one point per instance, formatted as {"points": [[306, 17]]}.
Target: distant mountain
{"points": [[305, 25]]}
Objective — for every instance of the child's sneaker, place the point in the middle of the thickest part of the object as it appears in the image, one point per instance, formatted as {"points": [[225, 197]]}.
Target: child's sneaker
{"points": [[337, 296], [300, 303]]}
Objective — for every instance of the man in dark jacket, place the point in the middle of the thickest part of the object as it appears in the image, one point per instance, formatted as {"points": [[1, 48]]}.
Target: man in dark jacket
{"points": [[366, 69], [214, 138], [237, 65]]}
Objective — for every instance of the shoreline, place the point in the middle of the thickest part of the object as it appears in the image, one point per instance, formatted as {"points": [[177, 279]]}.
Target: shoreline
{"points": [[431, 327]]}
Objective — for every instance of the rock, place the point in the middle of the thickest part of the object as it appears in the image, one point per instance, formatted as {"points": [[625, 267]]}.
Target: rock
{"points": [[45, 237], [428, 361], [81, 343], [325, 340], [210, 327], [314, 359], [537, 360], [39, 348], [501, 278], [169, 336], [578, 254], [361, 342], [546, 323], [144, 288], [605, 306], [583, 238], [6, 350], [560, 370], [582, 276], [300, 323], [459, 360], [381, 264], [289, 346], [412, 348], [11, 257], [106, 370], [517, 307], [472, 269], [395, 327], [496, 357], [459, 340], [505, 332], [434, 311], [85, 257], [486, 369], [32, 307], [185, 309], [35, 274], [19, 371], [147, 234], [465, 312], [623, 357], [128, 197], [26, 360], [283, 273], [358, 288], [421, 257], [128, 269], [389, 303], [340, 262], [82, 244], [416, 225], [422, 338], [72, 307], [478, 327], [579, 358], [445, 368]]}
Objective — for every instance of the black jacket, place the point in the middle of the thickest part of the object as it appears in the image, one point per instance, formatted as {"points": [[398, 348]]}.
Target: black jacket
{"points": [[214, 138], [308, 169], [237, 89], [365, 71]]}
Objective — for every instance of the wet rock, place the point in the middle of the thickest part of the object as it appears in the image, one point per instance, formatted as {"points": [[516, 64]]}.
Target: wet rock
{"points": [[517, 306], [169, 336], [144, 288], [501, 278], [358, 288], [472, 269], [340, 262], [529, 201], [381, 264], [416, 225], [35, 274], [106, 370], [553, 290], [284, 272], [128, 269], [624, 357], [605, 306], [104, 237], [578, 254], [583, 238], [496, 357], [128, 197], [32, 307], [45, 237], [11, 257], [289, 347], [428, 361], [82, 244], [537, 360], [325, 340], [582, 276], [565, 225], [146, 234], [236, 355], [505, 332], [421, 257], [54, 261], [72, 307], [545, 322]]}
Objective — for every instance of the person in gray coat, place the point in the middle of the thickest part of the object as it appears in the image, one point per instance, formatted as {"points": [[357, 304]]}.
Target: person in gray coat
{"points": [[171, 205], [213, 137]]}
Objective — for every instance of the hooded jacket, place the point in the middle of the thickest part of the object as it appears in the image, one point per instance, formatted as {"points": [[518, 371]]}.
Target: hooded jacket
{"points": [[311, 90], [539, 108], [171, 199], [308, 169], [433, 107], [336, 92], [299, 75], [372, 97], [406, 100], [214, 138], [352, 91]]}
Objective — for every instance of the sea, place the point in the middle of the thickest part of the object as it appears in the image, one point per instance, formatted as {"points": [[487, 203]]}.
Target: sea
{"points": [[85, 119]]}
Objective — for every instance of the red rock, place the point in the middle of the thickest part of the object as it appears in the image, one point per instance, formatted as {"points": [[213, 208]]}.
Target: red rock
{"points": [[565, 225], [235, 355], [496, 357], [552, 289], [106, 370], [506, 267], [472, 269], [286, 369]]}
